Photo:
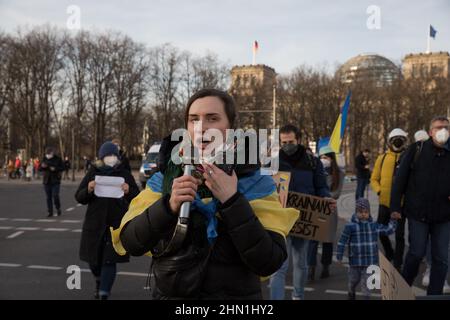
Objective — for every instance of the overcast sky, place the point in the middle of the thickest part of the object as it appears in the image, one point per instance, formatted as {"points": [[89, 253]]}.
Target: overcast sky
{"points": [[289, 32]]}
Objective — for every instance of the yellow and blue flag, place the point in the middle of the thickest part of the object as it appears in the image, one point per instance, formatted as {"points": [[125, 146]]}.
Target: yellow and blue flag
{"points": [[339, 128]]}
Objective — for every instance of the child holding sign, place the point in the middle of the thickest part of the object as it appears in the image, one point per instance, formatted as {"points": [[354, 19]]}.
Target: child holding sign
{"points": [[361, 234]]}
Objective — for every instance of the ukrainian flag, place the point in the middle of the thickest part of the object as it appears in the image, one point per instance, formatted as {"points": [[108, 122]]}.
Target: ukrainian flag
{"points": [[339, 128]]}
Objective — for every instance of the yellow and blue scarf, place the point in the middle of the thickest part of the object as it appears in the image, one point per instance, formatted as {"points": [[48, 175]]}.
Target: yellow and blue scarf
{"points": [[252, 186], [258, 189]]}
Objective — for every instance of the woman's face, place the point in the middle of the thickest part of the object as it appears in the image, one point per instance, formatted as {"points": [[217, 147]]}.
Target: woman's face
{"points": [[325, 157], [211, 112]]}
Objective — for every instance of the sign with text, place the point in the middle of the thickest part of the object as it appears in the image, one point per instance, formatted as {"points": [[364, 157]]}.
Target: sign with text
{"points": [[317, 220], [393, 286], [282, 179]]}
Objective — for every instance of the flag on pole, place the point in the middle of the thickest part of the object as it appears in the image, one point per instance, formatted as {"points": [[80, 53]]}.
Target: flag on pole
{"points": [[255, 49], [433, 32], [255, 46], [339, 128]]}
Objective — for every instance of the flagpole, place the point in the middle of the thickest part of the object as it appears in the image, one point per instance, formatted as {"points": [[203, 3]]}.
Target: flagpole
{"points": [[254, 57], [428, 41], [274, 106]]}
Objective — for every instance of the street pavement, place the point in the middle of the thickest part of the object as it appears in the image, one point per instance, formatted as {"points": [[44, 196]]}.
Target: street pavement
{"points": [[36, 251]]}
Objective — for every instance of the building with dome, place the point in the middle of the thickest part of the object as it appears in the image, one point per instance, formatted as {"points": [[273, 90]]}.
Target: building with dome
{"points": [[372, 67]]}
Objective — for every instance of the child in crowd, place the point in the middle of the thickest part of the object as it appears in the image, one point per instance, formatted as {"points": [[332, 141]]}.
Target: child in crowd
{"points": [[361, 235]]}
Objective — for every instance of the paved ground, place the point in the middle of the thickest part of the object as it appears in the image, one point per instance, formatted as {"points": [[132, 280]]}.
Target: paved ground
{"points": [[36, 251]]}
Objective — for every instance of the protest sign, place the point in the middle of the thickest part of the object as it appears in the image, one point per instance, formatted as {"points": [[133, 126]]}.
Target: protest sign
{"points": [[282, 179], [393, 286], [317, 220]]}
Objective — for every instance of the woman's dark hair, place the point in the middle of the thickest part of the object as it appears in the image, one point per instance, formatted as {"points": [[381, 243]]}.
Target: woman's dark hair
{"points": [[334, 171], [228, 103]]}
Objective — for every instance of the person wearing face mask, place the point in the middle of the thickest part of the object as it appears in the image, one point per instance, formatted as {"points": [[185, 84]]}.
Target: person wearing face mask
{"points": [[422, 135], [335, 181], [102, 213], [52, 167], [307, 176], [381, 181], [422, 181]]}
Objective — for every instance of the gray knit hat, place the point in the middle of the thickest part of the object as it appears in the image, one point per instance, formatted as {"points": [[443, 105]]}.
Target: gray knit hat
{"points": [[362, 204]]}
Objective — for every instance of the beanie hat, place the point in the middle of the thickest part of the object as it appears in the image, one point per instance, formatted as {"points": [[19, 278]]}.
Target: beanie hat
{"points": [[325, 150], [362, 204], [108, 149]]}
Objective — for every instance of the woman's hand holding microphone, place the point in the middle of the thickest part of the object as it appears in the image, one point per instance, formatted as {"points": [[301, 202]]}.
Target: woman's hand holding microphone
{"points": [[184, 188]]}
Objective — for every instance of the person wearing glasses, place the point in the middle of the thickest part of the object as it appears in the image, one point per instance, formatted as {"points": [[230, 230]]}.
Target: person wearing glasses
{"points": [[423, 181]]}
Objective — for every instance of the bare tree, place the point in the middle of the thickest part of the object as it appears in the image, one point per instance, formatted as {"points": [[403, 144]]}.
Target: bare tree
{"points": [[163, 81], [33, 64], [130, 68]]}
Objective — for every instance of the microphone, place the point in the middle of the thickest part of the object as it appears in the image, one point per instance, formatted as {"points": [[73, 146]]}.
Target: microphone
{"points": [[186, 206]]}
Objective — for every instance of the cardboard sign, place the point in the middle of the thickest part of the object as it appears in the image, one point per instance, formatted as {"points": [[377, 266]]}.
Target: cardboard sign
{"points": [[393, 286], [317, 220], [282, 179]]}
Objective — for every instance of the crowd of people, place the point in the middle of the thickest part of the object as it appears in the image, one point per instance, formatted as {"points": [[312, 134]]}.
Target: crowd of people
{"points": [[18, 168], [237, 231]]}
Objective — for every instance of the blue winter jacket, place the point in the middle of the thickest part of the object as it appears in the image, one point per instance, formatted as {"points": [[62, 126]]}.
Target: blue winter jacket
{"points": [[362, 240], [307, 173]]}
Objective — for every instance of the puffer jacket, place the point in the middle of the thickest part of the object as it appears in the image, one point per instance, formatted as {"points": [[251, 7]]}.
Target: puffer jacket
{"points": [[362, 240], [243, 251], [382, 177]]}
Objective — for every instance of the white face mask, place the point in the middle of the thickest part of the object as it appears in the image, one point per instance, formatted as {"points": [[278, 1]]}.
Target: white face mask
{"points": [[441, 136], [49, 156], [110, 160], [326, 163]]}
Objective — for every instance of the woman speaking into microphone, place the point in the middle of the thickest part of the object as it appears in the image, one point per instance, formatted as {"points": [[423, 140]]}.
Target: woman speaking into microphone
{"points": [[235, 229]]}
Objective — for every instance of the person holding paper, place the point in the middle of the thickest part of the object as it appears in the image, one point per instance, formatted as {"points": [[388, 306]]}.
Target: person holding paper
{"points": [[106, 207]]}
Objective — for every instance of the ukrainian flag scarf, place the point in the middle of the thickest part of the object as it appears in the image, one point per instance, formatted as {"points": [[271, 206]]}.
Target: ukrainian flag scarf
{"points": [[258, 189]]}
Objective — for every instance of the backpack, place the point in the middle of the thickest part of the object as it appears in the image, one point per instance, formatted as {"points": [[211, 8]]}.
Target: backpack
{"points": [[418, 150]]}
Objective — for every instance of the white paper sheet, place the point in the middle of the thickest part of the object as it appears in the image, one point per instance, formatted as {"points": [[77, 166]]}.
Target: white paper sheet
{"points": [[108, 187]]}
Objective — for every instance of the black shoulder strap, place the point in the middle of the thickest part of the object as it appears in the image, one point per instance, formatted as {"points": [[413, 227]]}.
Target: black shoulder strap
{"points": [[382, 161], [418, 150], [311, 161]]}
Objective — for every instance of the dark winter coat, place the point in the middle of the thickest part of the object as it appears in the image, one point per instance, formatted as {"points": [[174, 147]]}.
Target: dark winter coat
{"points": [[360, 165], [243, 251], [101, 214], [52, 171], [307, 173], [424, 181]]}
